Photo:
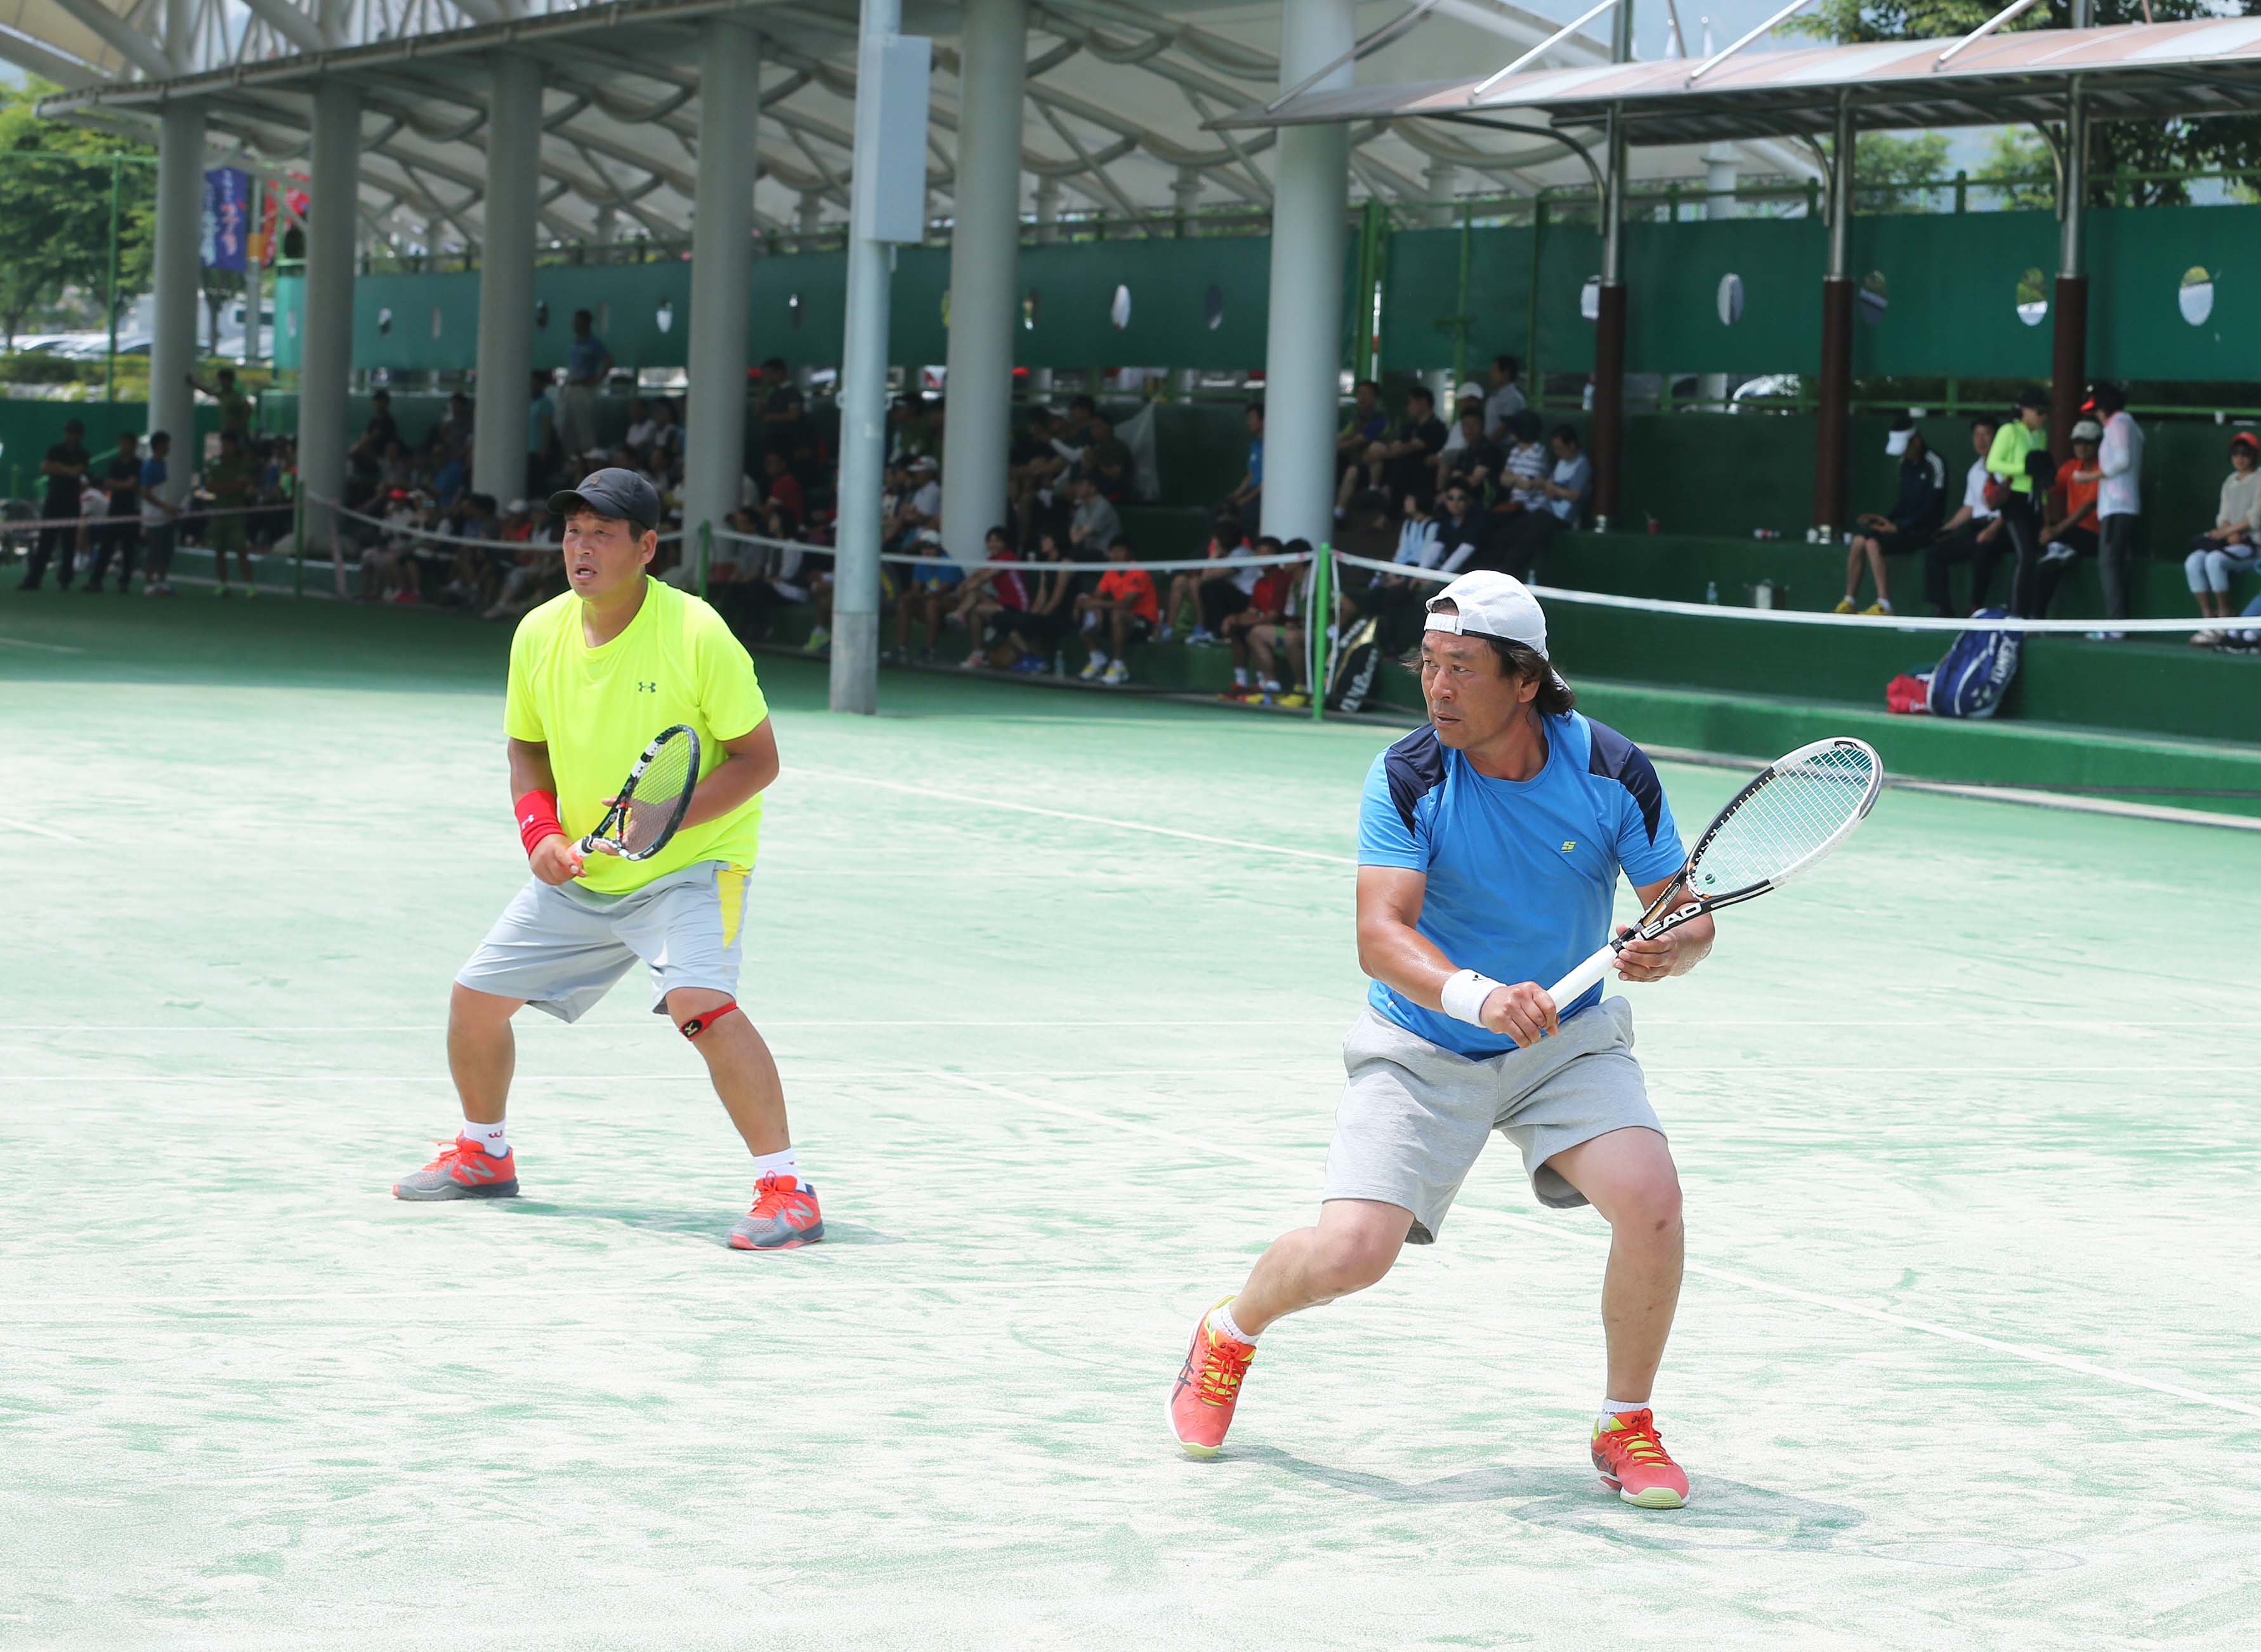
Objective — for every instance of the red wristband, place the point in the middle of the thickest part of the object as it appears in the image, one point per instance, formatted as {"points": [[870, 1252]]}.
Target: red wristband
{"points": [[537, 819]]}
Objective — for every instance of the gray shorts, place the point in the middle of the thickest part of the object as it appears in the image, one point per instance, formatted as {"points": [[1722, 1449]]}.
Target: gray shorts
{"points": [[561, 949], [1414, 1116]]}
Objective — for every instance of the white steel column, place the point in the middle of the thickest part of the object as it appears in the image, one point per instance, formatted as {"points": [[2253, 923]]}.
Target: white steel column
{"points": [[1048, 194], [1303, 357], [985, 257], [506, 359], [1442, 180], [721, 278], [180, 222], [326, 316]]}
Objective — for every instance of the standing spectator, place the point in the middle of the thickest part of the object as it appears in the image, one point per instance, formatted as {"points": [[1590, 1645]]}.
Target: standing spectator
{"points": [[160, 520], [65, 470], [2119, 501], [1506, 397], [2070, 529], [2012, 492], [1247, 499], [121, 482], [587, 364], [1974, 535], [1912, 523], [541, 437], [235, 406], [2230, 547], [1124, 609], [228, 480]]}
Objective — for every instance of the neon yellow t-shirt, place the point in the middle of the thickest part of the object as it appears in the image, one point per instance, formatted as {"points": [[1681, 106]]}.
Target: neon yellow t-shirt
{"points": [[2006, 458], [597, 709]]}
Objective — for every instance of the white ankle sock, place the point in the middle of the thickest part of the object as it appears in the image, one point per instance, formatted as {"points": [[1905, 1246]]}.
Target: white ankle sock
{"points": [[776, 1164], [488, 1136], [1240, 677], [1222, 1322], [1619, 1407]]}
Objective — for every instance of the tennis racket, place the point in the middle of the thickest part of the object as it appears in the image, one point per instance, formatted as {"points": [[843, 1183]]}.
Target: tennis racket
{"points": [[1798, 808], [652, 804]]}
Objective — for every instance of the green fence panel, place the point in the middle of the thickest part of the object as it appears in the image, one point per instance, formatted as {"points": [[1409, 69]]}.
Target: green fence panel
{"points": [[1951, 288], [1421, 298], [800, 309], [2139, 259], [29, 428], [289, 318], [1200, 302], [416, 322], [1726, 295]]}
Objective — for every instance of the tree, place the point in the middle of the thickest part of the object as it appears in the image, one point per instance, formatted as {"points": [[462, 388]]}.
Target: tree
{"points": [[1882, 158], [2118, 150], [54, 199]]}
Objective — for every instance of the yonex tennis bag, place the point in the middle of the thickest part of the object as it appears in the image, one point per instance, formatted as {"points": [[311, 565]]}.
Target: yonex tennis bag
{"points": [[1351, 674], [1977, 670]]}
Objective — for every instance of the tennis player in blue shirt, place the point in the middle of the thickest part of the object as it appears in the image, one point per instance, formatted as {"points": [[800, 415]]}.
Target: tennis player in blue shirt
{"points": [[1489, 845]]}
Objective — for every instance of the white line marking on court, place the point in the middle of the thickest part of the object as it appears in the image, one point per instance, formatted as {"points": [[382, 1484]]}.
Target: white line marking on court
{"points": [[1087, 819], [47, 831], [1882, 1316], [44, 648]]}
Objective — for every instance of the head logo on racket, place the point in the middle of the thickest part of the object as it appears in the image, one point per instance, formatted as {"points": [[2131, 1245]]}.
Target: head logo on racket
{"points": [[652, 803]]}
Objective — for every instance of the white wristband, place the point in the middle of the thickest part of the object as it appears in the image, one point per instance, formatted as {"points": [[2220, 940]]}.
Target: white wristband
{"points": [[1464, 995]]}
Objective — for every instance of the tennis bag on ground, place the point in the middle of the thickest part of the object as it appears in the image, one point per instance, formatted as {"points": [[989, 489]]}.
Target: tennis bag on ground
{"points": [[1356, 662], [1977, 672]]}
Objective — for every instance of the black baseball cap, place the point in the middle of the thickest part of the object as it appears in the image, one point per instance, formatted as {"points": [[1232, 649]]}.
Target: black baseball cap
{"points": [[611, 491]]}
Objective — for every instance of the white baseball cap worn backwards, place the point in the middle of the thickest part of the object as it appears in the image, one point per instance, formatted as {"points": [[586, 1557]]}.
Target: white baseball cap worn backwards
{"points": [[1490, 603]]}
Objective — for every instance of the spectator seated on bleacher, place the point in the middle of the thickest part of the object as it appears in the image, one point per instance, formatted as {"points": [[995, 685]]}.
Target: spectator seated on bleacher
{"points": [[1974, 534], [1276, 647], [643, 429], [2232, 544], [986, 594], [1908, 527], [474, 571], [537, 574], [929, 591], [1569, 484], [1117, 617], [1521, 526], [1268, 602], [1033, 631], [2069, 526], [1471, 457], [388, 564], [1035, 479], [1093, 524], [1397, 601], [918, 507], [1217, 593], [1366, 423], [1461, 531]]}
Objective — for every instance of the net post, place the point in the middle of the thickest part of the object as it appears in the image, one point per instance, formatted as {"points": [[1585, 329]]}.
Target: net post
{"points": [[299, 543], [1323, 607], [706, 548]]}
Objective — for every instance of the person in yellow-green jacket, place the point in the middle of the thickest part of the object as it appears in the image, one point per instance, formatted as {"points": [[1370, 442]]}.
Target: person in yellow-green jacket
{"points": [[2019, 437]]}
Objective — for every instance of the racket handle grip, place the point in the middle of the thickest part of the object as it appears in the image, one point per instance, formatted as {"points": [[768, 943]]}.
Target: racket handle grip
{"points": [[1576, 985]]}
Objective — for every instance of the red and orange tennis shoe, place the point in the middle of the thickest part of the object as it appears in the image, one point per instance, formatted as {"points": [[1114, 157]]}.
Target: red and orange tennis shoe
{"points": [[1629, 1455], [785, 1215], [463, 1170], [1200, 1406]]}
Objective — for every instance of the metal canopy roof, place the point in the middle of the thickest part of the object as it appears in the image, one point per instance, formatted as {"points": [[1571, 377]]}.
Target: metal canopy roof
{"points": [[1117, 94], [2210, 66]]}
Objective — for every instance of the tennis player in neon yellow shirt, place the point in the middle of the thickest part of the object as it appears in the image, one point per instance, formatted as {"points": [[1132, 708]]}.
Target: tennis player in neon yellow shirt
{"points": [[594, 675]]}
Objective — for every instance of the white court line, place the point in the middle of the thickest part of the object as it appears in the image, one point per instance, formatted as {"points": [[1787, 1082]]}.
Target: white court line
{"points": [[1555, 1230], [44, 648], [1087, 820], [47, 831]]}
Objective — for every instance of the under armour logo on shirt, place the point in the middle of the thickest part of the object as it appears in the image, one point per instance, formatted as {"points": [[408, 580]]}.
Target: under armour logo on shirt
{"points": [[647, 688]]}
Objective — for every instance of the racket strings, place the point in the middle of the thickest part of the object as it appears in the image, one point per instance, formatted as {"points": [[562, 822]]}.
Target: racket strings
{"points": [[1796, 813], [659, 790]]}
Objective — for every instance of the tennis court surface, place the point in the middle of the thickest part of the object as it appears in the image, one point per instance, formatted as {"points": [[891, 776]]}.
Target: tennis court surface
{"points": [[1968, 1126]]}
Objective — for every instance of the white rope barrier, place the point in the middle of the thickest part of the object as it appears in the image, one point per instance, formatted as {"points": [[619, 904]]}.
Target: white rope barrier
{"points": [[1803, 616]]}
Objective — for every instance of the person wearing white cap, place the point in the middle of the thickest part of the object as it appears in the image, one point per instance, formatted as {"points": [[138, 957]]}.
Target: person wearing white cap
{"points": [[1490, 844], [1913, 523], [2071, 530]]}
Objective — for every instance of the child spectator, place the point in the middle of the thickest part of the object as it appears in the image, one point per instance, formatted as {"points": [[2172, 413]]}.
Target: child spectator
{"points": [[1122, 610], [1912, 523], [2230, 547], [2071, 530]]}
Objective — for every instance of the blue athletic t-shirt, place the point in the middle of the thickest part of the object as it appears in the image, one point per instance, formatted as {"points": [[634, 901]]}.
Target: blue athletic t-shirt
{"points": [[1521, 873]]}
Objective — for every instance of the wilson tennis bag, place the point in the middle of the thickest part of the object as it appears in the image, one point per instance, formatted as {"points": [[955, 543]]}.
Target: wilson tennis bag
{"points": [[1357, 662], [1977, 672]]}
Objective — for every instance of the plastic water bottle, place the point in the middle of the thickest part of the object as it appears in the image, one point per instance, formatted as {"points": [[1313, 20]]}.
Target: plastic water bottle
{"points": [[1059, 664], [1712, 593]]}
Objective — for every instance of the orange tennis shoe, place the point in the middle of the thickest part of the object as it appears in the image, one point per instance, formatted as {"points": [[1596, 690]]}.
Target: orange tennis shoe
{"points": [[463, 1170], [785, 1217], [1201, 1402], [1629, 1455]]}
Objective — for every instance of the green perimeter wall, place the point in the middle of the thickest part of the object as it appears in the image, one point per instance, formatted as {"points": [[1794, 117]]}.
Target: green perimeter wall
{"points": [[29, 429], [1949, 285]]}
